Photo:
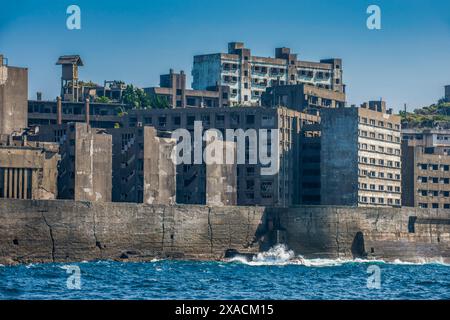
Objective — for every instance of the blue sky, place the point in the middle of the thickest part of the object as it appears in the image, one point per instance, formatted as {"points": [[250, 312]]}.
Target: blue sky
{"points": [[407, 61]]}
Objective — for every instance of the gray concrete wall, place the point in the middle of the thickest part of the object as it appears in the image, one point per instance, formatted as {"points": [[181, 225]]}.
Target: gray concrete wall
{"points": [[45, 231], [159, 168], [221, 178], [93, 164], [408, 234], [339, 156], [13, 99]]}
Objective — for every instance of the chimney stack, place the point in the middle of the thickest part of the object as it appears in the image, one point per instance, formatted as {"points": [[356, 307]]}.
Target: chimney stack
{"points": [[59, 110], [86, 106]]}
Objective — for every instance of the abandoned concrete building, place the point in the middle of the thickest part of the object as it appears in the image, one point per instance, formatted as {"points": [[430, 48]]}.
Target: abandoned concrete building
{"points": [[85, 168], [308, 157], [360, 156], [248, 76], [173, 89], [426, 168], [302, 97], [103, 115], [28, 170], [280, 189]]}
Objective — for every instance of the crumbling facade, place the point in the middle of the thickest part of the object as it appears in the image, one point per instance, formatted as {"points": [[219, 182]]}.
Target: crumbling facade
{"points": [[302, 97], [426, 168], [221, 178], [280, 189], [85, 171], [248, 76], [28, 170], [159, 168], [360, 156], [102, 115]]}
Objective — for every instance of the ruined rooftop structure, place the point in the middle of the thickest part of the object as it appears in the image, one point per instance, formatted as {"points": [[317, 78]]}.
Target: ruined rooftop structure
{"points": [[69, 77]]}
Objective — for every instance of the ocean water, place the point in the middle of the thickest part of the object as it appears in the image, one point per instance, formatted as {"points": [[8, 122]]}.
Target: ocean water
{"points": [[277, 274]]}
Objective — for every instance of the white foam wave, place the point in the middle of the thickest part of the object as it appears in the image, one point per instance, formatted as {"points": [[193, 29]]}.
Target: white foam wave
{"points": [[280, 255]]}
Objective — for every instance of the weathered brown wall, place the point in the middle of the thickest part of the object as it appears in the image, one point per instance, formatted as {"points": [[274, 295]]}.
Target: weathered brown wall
{"points": [[45, 231]]}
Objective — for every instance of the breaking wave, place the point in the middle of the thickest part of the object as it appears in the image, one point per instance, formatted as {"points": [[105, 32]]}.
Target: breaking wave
{"points": [[280, 255]]}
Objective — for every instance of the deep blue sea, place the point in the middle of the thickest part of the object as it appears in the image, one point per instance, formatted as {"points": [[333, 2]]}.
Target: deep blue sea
{"points": [[265, 278]]}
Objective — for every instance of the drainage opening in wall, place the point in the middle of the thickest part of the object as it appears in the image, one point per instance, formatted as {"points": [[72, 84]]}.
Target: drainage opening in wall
{"points": [[358, 248]]}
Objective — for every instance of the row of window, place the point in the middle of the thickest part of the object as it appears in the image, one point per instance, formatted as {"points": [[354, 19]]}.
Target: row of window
{"points": [[434, 193], [379, 136], [434, 167], [379, 123], [379, 162], [380, 175], [380, 187], [434, 180], [379, 200], [380, 149], [434, 205], [249, 119]]}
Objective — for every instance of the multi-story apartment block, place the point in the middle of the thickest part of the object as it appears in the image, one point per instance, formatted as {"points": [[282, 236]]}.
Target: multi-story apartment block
{"points": [[173, 89], [248, 76], [360, 156], [279, 189], [426, 168]]}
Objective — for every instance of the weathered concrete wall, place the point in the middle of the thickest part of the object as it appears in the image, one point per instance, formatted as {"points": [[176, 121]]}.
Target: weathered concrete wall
{"points": [[29, 172], [221, 178], [339, 157], [408, 234], [13, 99], [159, 168], [93, 164], [45, 231]]}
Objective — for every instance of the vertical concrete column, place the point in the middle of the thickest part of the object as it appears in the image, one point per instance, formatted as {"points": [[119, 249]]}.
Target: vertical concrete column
{"points": [[159, 169], [10, 180], [5, 183], [88, 116], [221, 178], [59, 110], [20, 192], [25, 184]]}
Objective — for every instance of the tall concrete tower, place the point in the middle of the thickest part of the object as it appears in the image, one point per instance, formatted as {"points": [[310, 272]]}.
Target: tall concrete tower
{"points": [[13, 98], [70, 88]]}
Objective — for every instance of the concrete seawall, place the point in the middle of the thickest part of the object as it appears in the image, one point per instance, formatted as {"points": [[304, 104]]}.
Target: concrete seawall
{"points": [[65, 231]]}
